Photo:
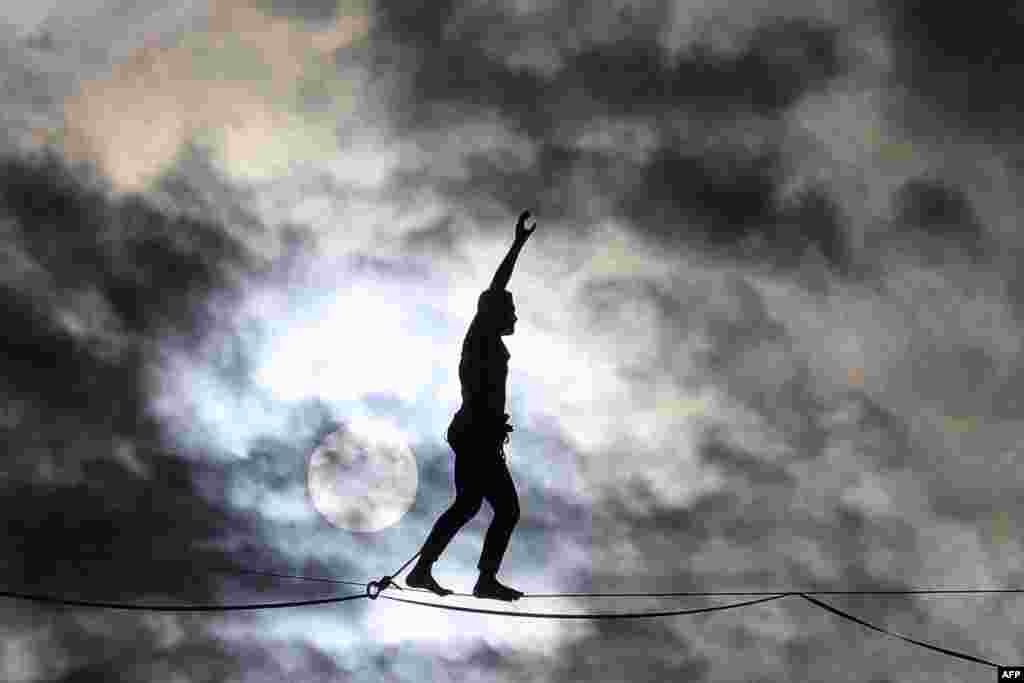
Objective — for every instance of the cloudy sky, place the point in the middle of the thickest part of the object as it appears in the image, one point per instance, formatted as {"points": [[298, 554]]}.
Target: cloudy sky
{"points": [[769, 333]]}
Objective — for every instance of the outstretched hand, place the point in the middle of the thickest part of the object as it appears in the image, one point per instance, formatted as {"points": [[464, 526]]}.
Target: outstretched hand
{"points": [[522, 232]]}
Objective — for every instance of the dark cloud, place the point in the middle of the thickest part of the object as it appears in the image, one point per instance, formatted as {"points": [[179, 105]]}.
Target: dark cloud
{"points": [[163, 538], [706, 198], [884, 439], [97, 507], [964, 62], [91, 541], [98, 286], [742, 537], [1005, 401], [155, 270], [609, 654], [938, 218], [737, 464], [650, 527], [628, 75], [676, 194], [1015, 284], [730, 207], [812, 222], [208, 662], [781, 62], [792, 518], [740, 326]]}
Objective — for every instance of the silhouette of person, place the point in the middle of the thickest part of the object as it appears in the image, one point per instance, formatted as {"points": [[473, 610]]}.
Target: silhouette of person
{"points": [[477, 433]]}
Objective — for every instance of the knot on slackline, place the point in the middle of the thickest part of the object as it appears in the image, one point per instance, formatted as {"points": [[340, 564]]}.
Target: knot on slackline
{"points": [[374, 588]]}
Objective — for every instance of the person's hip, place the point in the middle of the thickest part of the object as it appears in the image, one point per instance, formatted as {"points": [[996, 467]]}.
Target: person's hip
{"points": [[478, 431]]}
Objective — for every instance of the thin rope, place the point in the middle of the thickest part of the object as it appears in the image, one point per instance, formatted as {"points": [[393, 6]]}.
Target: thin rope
{"points": [[775, 596], [936, 648], [402, 568], [634, 615], [386, 581], [230, 570], [721, 593], [173, 608], [920, 591], [590, 615]]}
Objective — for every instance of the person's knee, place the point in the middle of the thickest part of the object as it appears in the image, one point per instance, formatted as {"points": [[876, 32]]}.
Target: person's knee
{"points": [[466, 508]]}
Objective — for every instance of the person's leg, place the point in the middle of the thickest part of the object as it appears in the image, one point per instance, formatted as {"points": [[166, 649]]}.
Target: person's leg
{"points": [[468, 499], [448, 524], [501, 494]]}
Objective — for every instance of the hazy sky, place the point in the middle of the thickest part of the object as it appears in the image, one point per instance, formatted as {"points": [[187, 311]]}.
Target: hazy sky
{"points": [[769, 329]]}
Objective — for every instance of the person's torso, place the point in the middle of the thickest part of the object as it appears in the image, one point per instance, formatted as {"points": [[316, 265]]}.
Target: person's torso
{"points": [[483, 373]]}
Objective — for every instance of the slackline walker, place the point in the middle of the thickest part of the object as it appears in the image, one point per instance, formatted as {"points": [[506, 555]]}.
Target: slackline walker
{"points": [[477, 433]]}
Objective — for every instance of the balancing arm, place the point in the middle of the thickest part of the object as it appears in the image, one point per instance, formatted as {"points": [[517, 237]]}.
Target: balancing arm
{"points": [[504, 272]]}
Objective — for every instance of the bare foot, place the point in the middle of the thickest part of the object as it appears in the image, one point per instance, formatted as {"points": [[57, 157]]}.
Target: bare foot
{"points": [[491, 588], [421, 578]]}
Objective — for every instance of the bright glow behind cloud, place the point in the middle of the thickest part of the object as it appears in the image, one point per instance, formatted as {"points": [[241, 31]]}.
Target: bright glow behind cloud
{"points": [[364, 343], [353, 337]]}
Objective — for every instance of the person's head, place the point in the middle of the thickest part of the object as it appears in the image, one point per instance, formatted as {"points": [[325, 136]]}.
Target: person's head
{"points": [[497, 311]]}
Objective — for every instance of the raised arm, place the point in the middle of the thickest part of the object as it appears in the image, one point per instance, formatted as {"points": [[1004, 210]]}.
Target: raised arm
{"points": [[504, 272]]}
